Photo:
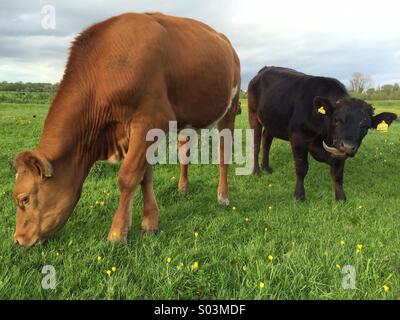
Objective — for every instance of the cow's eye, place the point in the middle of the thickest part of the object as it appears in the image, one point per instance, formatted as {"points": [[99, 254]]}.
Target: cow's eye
{"points": [[23, 201]]}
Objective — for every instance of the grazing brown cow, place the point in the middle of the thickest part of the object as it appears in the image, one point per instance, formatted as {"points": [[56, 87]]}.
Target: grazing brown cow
{"points": [[124, 76]]}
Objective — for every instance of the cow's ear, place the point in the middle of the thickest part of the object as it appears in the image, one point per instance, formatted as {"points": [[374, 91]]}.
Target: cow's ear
{"points": [[34, 162], [323, 106], [388, 117]]}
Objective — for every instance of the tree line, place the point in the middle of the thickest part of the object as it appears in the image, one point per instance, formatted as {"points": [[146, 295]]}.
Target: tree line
{"points": [[360, 86], [27, 87]]}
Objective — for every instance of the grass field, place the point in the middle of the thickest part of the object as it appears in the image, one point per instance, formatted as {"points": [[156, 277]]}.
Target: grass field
{"points": [[309, 242]]}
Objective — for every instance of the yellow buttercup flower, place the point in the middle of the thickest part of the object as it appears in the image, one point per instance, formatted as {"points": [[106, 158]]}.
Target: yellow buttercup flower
{"points": [[270, 258], [114, 269], [234, 208], [262, 285], [342, 243], [386, 288], [195, 266], [338, 266], [169, 259], [108, 273], [360, 248], [196, 234], [99, 258]]}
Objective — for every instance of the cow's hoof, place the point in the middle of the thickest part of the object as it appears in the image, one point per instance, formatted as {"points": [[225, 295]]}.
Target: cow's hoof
{"points": [[257, 172], [268, 170], [300, 198], [117, 236], [341, 198], [150, 221], [149, 232], [223, 201]]}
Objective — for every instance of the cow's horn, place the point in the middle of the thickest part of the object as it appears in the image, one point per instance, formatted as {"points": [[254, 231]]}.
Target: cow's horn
{"points": [[330, 149]]}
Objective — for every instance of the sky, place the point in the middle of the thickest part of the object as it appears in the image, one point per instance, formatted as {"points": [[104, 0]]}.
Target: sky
{"points": [[328, 38]]}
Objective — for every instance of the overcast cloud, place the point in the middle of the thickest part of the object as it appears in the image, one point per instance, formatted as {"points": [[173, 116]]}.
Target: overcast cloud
{"points": [[334, 38]]}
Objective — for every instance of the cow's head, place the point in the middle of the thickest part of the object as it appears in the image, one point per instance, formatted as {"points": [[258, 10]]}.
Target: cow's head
{"points": [[347, 122], [44, 203]]}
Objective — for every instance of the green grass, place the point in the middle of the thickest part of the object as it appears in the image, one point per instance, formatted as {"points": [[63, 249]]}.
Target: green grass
{"points": [[232, 246], [386, 105]]}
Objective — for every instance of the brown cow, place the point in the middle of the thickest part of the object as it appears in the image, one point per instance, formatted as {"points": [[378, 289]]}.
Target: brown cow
{"points": [[124, 76]]}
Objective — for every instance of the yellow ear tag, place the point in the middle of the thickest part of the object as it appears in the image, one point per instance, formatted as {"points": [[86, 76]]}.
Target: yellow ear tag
{"points": [[322, 110], [383, 127]]}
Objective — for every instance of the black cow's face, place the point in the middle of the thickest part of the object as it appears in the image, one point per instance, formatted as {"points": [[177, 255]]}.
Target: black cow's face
{"points": [[348, 121]]}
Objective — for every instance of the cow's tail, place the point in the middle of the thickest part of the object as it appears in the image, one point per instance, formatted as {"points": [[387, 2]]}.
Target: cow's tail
{"points": [[254, 123]]}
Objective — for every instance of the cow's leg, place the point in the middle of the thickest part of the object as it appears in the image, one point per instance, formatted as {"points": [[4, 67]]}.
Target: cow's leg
{"points": [[267, 142], [131, 173], [300, 155], [257, 131], [226, 123], [337, 170], [183, 177], [150, 207]]}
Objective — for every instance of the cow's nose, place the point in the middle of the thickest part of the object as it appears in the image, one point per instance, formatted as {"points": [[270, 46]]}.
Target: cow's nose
{"points": [[18, 241], [21, 241], [349, 148]]}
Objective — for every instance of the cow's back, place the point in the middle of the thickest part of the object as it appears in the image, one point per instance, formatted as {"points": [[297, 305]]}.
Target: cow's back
{"points": [[270, 100], [202, 68], [131, 58], [284, 98]]}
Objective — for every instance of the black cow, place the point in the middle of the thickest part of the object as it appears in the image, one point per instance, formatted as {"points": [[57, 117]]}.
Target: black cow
{"points": [[317, 116]]}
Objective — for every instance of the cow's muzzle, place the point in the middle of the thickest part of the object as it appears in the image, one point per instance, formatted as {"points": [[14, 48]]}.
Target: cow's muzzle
{"points": [[345, 150]]}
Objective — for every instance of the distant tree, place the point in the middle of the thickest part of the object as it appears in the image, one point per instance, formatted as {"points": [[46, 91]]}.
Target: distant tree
{"points": [[243, 94], [360, 82], [387, 87], [370, 91]]}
